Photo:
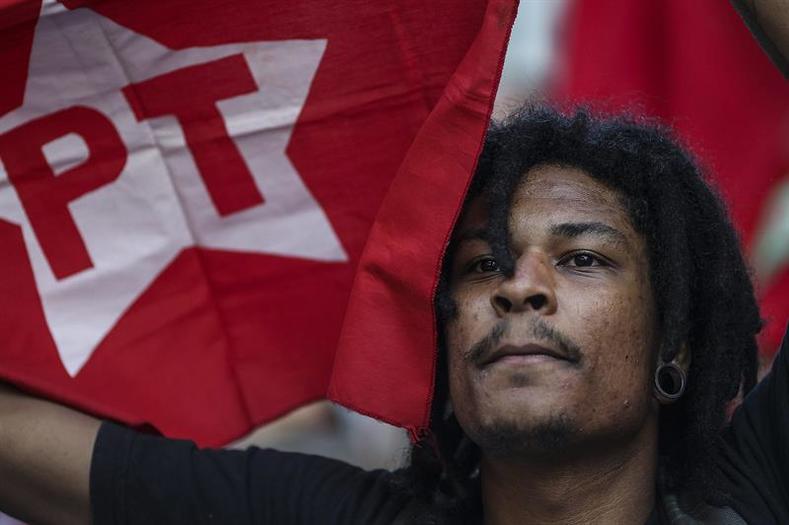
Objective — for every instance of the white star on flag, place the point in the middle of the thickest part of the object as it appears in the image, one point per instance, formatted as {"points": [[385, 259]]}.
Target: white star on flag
{"points": [[159, 204]]}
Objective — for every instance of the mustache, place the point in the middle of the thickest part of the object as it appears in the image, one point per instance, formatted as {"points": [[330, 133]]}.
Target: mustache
{"points": [[537, 329]]}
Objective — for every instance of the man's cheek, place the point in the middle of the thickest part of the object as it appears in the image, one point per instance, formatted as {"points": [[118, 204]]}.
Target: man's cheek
{"points": [[453, 339], [610, 315], [461, 331]]}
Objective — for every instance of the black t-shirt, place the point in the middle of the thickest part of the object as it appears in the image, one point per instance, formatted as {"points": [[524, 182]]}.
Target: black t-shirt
{"points": [[142, 479], [755, 456]]}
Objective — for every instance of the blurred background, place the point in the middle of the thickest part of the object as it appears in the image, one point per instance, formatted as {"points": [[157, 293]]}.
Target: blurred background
{"points": [[695, 66]]}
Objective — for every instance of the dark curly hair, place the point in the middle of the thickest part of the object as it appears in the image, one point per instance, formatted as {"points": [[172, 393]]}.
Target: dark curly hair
{"points": [[702, 289]]}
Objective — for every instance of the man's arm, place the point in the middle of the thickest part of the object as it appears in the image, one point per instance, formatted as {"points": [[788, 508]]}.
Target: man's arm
{"points": [[768, 20], [45, 455], [754, 456]]}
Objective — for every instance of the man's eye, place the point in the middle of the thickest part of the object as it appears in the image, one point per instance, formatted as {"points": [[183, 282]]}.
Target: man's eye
{"points": [[486, 265], [583, 260]]}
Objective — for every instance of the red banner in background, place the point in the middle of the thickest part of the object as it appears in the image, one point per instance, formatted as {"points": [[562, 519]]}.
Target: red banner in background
{"points": [[186, 190], [696, 66]]}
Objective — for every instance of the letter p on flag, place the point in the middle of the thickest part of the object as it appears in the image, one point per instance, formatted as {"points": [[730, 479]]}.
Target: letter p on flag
{"points": [[259, 214], [45, 196]]}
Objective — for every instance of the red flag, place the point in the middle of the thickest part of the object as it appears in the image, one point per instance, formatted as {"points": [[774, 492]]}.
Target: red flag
{"points": [[187, 188], [696, 66]]}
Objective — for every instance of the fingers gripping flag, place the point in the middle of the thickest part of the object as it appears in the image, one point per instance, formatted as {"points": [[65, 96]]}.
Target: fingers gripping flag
{"points": [[187, 190]]}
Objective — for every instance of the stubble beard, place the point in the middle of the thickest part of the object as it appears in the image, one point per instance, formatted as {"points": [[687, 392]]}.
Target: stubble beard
{"points": [[540, 440]]}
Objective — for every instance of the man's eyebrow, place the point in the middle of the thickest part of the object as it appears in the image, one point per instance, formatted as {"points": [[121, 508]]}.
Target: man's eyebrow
{"points": [[576, 229]]}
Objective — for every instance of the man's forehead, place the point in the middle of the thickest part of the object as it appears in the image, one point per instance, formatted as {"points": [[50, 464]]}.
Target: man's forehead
{"points": [[550, 195], [566, 185]]}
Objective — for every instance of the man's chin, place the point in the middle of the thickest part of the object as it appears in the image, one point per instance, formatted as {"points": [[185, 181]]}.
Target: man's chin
{"points": [[511, 439]]}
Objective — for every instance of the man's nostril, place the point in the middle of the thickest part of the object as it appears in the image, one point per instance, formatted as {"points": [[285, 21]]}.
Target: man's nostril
{"points": [[537, 301], [503, 303]]}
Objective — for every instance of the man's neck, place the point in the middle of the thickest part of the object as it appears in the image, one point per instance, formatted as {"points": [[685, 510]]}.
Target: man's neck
{"points": [[615, 486]]}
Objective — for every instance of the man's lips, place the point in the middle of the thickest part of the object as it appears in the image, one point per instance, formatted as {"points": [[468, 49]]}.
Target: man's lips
{"points": [[529, 349]]}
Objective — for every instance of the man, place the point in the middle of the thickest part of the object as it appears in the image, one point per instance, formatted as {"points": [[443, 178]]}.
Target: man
{"points": [[596, 319], [563, 259]]}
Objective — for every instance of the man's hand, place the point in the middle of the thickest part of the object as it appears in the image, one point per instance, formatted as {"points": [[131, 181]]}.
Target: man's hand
{"points": [[773, 16], [45, 454], [768, 20]]}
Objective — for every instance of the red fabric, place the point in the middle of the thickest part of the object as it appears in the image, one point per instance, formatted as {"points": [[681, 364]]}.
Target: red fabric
{"points": [[386, 360], [45, 196], [221, 338], [16, 26], [696, 66], [219, 162]]}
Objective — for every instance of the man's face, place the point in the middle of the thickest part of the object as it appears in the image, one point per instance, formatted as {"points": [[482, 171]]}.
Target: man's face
{"points": [[561, 352]]}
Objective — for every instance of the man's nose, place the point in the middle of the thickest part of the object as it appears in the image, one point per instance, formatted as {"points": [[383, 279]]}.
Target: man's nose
{"points": [[531, 287]]}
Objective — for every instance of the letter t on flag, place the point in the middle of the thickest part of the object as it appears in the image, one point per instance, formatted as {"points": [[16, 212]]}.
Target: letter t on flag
{"points": [[212, 216], [226, 177]]}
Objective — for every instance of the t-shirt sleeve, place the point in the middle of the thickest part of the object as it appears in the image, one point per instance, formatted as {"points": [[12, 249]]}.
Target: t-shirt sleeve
{"points": [[756, 447], [142, 479]]}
